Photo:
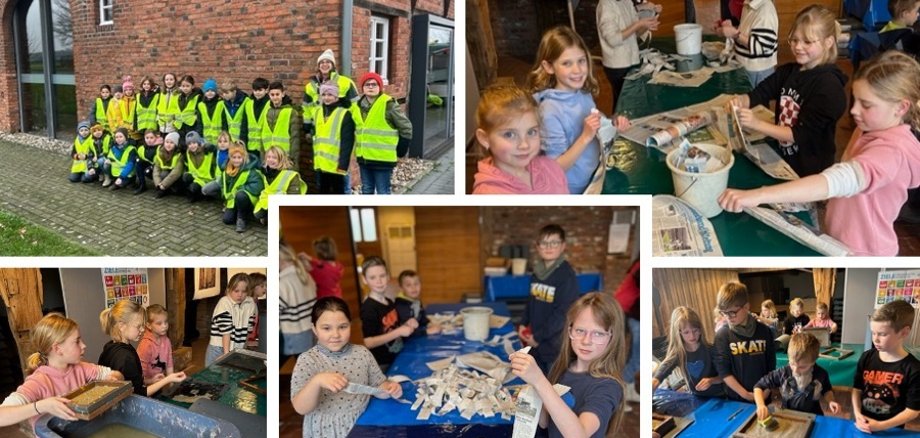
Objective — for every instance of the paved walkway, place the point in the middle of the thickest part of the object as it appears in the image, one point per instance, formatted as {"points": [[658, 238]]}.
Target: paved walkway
{"points": [[440, 180], [117, 223]]}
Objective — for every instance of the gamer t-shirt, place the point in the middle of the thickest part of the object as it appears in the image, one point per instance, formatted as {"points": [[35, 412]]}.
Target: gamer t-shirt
{"points": [[887, 387]]}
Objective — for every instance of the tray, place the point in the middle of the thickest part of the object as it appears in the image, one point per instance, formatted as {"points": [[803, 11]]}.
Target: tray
{"points": [[792, 424], [662, 424], [835, 353], [93, 399], [244, 360]]}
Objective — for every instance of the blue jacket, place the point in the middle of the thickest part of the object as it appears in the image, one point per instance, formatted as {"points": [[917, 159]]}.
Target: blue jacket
{"points": [[564, 115], [117, 151]]}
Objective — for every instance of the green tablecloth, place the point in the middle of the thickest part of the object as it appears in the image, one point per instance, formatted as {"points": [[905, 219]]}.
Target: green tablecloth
{"points": [[841, 372], [235, 395]]}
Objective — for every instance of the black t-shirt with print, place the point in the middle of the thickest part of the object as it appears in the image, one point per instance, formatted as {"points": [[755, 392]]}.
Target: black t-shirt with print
{"points": [[887, 387]]}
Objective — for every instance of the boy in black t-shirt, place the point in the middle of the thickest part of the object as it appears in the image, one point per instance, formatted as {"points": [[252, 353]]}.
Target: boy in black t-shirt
{"points": [[379, 320], [797, 318], [744, 347], [886, 388], [801, 384]]}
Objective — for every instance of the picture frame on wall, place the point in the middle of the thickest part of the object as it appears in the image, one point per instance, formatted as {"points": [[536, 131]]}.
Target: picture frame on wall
{"points": [[207, 283]]}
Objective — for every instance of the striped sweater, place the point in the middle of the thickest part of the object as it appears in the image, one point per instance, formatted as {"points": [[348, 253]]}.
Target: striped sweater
{"points": [[759, 25], [296, 300], [236, 320]]}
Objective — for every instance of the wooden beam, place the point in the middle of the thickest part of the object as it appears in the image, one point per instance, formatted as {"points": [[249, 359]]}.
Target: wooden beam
{"points": [[21, 290], [175, 304]]}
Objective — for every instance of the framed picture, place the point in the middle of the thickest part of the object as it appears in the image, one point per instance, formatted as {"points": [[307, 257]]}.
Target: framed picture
{"points": [[206, 283]]}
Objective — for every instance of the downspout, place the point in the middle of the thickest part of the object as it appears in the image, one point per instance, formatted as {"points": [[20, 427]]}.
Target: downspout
{"points": [[347, 11]]}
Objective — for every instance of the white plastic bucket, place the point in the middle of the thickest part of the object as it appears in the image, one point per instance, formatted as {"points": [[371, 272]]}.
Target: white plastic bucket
{"points": [[518, 266], [689, 38], [702, 190], [476, 323]]}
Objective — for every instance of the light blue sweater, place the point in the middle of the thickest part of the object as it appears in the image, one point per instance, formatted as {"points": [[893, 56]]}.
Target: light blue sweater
{"points": [[564, 115]]}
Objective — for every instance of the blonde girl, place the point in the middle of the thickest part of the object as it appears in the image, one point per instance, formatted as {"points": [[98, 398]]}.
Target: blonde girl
{"points": [[809, 95], [124, 323], [233, 319], [297, 294], [55, 369], [280, 179], [168, 104], [867, 189], [691, 353], [240, 184], [563, 84], [508, 122], [590, 363], [768, 315], [797, 318]]}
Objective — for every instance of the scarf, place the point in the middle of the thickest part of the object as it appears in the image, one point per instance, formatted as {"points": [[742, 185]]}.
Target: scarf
{"points": [[542, 272], [746, 328]]}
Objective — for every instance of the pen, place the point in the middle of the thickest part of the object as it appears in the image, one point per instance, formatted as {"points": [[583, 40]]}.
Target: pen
{"points": [[732, 416]]}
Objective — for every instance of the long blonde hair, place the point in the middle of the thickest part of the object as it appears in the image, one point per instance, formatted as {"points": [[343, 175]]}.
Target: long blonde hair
{"points": [[284, 161], [51, 330], [768, 304], [608, 314], [122, 312], [818, 22], [286, 253], [893, 77], [554, 42], [680, 317]]}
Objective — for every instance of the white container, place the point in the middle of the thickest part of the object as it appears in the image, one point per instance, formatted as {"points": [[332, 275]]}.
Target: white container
{"points": [[689, 38], [702, 190], [476, 323], [518, 266]]}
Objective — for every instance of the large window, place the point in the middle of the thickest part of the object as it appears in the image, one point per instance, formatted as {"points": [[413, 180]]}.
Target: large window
{"points": [[380, 45], [105, 12]]}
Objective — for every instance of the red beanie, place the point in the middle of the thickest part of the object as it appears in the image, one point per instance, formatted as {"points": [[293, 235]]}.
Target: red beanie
{"points": [[371, 76]]}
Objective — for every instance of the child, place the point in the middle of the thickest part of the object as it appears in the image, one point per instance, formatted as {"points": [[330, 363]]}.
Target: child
{"points": [[297, 295], [113, 113], [83, 155], [200, 166], [797, 318], [744, 348], [232, 320], [689, 351], [409, 303], [120, 162], [101, 106], [903, 16], [382, 133], [168, 105], [168, 166], [801, 384], [618, 25], [211, 112], [563, 84], [768, 316], [223, 149], [55, 369], [256, 109], [235, 115], [325, 270], [868, 187], [590, 363], [509, 132], [155, 349], [332, 150], [822, 319], [322, 373], [279, 180], [553, 288], [187, 119], [281, 127], [240, 185], [256, 293], [145, 155], [126, 108], [147, 102], [379, 320], [809, 95], [325, 73], [124, 323], [886, 388], [755, 39], [102, 143]]}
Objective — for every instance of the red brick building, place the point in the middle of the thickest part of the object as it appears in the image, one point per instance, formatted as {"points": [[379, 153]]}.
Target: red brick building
{"points": [[56, 53]]}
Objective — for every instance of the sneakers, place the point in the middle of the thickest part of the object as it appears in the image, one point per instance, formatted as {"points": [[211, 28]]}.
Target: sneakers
{"points": [[160, 193], [240, 225], [108, 181]]}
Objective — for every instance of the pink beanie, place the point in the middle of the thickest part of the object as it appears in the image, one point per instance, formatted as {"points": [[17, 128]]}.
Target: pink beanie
{"points": [[128, 84], [329, 87]]}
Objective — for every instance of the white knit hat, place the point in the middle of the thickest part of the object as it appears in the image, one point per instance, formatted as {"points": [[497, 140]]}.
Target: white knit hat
{"points": [[328, 55]]}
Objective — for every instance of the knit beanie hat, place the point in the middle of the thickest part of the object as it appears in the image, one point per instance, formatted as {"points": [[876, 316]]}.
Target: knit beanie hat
{"points": [[327, 55], [117, 89], [173, 137], [370, 76], [193, 137], [330, 87], [128, 84], [209, 84], [96, 127], [83, 124]]}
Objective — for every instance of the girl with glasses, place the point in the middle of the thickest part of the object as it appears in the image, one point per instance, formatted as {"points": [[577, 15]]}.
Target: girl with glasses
{"points": [[689, 351]]}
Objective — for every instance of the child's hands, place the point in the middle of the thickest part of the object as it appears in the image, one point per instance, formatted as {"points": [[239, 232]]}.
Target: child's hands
{"points": [[115, 376], [740, 101], [644, 24], [175, 377], [747, 395], [118, 181], [526, 336], [333, 382], [57, 406], [158, 377], [622, 123], [747, 119], [592, 124], [407, 328], [392, 388], [762, 412], [704, 384], [734, 200], [433, 329], [866, 424], [834, 407], [728, 31], [525, 366]]}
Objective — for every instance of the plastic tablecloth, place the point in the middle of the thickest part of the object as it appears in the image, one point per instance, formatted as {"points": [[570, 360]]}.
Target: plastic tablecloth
{"points": [[502, 287], [841, 372]]}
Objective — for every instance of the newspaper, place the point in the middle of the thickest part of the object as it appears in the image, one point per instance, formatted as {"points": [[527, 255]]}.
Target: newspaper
{"points": [[799, 231], [686, 79], [357, 388], [527, 411], [680, 230], [645, 127], [760, 154], [680, 128], [605, 137]]}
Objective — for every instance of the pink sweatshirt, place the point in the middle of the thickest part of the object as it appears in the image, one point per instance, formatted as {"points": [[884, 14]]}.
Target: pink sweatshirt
{"points": [[822, 323], [546, 176], [890, 163], [48, 381], [156, 354]]}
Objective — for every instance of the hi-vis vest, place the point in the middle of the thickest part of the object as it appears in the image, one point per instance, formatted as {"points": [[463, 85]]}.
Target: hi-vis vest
{"points": [[203, 173], [211, 124], [326, 143], [147, 115], [312, 90], [235, 122], [374, 138], [279, 186], [173, 162], [281, 135], [81, 147], [106, 144], [167, 108], [118, 164], [187, 115], [100, 112], [229, 194], [254, 124]]}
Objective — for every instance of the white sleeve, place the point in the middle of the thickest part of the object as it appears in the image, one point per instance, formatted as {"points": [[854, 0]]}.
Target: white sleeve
{"points": [[15, 399], [102, 372], [844, 179]]}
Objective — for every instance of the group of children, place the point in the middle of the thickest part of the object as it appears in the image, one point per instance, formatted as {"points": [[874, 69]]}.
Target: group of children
{"points": [[741, 363]]}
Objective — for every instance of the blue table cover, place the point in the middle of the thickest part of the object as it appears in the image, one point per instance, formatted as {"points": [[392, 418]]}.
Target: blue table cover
{"points": [[503, 287]]}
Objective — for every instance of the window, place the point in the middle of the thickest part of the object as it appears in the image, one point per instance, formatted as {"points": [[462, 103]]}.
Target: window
{"points": [[380, 45], [364, 224], [105, 12]]}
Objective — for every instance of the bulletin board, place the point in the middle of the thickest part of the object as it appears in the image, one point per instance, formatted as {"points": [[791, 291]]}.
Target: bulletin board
{"points": [[898, 285], [126, 284]]}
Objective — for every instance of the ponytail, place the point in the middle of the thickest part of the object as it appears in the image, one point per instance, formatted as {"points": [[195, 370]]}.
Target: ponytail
{"points": [[51, 330], [122, 311]]}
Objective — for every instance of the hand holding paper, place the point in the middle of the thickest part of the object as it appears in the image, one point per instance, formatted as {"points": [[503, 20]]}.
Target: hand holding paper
{"points": [[332, 382], [392, 389], [525, 366]]}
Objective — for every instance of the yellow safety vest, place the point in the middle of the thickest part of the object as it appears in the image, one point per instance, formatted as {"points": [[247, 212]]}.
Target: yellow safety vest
{"points": [[326, 143], [254, 125], [235, 122], [106, 143], [281, 135], [167, 108], [312, 90], [212, 125], [229, 194], [173, 162], [127, 111], [279, 186], [118, 164], [100, 112], [147, 115], [187, 115], [81, 147], [374, 138], [203, 173]]}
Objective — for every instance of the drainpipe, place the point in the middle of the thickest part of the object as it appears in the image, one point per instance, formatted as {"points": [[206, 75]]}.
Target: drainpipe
{"points": [[347, 11]]}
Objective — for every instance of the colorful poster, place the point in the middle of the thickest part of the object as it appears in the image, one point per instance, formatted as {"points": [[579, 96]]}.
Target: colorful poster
{"points": [[898, 285], [126, 284]]}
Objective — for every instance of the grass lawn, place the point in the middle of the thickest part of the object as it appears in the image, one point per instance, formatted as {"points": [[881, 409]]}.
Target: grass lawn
{"points": [[19, 237]]}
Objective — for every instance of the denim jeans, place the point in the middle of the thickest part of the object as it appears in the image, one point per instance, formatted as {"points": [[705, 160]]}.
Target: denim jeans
{"points": [[756, 77], [375, 180]]}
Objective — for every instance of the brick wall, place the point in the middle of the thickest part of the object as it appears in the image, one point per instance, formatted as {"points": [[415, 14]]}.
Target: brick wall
{"points": [[518, 25], [9, 105]]}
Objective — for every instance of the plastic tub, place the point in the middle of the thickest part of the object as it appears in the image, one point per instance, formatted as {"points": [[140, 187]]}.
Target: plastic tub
{"points": [[702, 190], [689, 38], [476, 323]]}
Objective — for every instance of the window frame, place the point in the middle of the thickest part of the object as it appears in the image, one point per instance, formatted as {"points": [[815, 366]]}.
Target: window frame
{"points": [[372, 57], [102, 9]]}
